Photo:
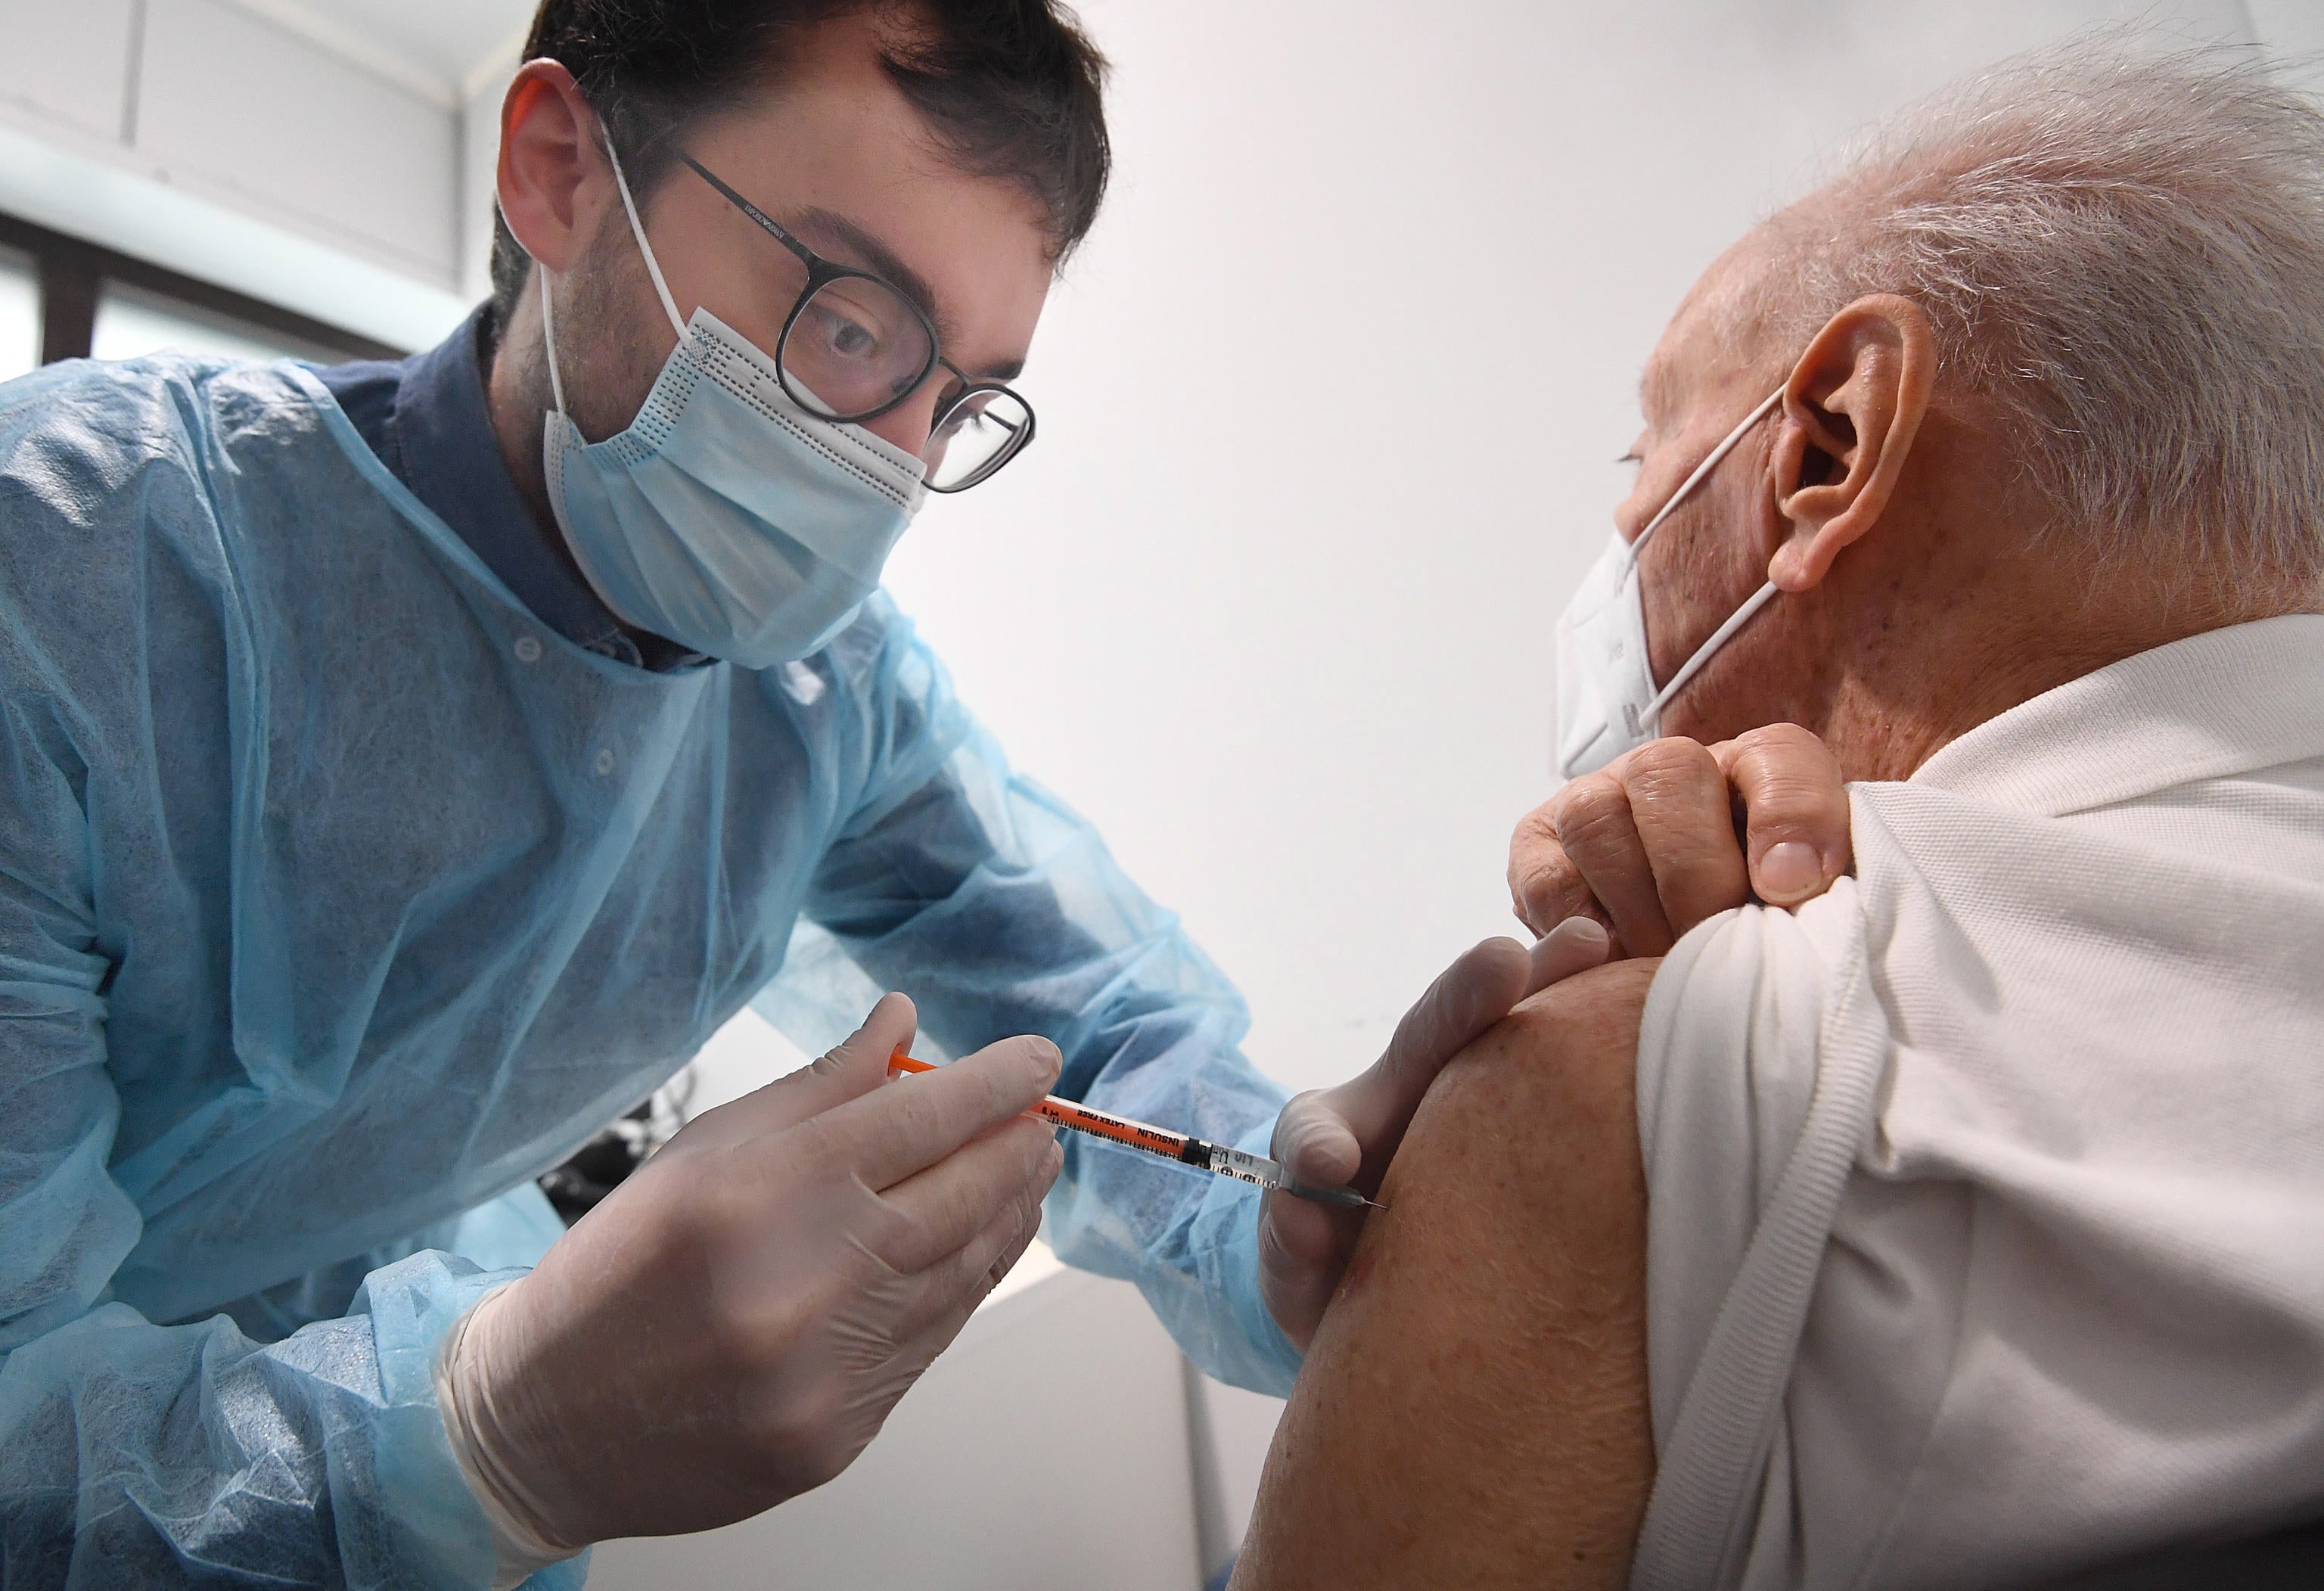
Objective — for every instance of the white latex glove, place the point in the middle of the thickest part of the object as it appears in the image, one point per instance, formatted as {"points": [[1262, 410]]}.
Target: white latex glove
{"points": [[731, 1327], [1346, 1136]]}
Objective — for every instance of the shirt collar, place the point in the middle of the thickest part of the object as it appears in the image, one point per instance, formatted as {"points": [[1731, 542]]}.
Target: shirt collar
{"points": [[2213, 705], [442, 444]]}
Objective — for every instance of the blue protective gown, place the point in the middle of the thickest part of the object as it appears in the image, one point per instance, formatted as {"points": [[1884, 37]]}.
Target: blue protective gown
{"points": [[338, 897]]}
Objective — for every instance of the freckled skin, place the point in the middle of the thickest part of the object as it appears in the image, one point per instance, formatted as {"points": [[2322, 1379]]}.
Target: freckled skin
{"points": [[1473, 1409]]}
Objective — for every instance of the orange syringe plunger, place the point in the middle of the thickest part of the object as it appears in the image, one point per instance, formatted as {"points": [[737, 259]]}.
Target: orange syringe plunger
{"points": [[1217, 1159]]}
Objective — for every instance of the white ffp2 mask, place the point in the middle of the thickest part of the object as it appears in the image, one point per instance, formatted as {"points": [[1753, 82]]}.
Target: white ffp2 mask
{"points": [[1607, 703]]}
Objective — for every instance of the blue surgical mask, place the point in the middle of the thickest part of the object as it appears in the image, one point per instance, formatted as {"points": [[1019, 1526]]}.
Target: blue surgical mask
{"points": [[1607, 703], [725, 518]]}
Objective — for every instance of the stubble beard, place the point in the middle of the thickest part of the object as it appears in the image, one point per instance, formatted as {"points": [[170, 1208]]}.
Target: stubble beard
{"points": [[607, 357], [612, 336], [607, 323]]}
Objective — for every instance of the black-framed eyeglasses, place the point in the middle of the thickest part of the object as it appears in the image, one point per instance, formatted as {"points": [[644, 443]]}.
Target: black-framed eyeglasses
{"points": [[855, 346]]}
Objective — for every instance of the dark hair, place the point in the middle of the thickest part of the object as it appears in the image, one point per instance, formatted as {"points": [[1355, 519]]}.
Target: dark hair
{"points": [[1012, 87]]}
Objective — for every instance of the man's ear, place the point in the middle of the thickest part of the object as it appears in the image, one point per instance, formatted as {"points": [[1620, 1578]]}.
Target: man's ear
{"points": [[554, 181], [1851, 410]]}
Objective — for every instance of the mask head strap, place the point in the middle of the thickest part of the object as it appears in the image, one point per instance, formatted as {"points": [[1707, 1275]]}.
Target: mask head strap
{"points": [[1703, 653], [1741, 615], [1687, 485]]}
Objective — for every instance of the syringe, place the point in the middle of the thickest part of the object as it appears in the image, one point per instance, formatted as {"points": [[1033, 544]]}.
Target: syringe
{"points": [[1186, 1151]]}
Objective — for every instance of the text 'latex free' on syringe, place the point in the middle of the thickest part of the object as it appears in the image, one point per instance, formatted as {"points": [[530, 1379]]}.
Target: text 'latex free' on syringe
{"points": [[1179, 1147]]}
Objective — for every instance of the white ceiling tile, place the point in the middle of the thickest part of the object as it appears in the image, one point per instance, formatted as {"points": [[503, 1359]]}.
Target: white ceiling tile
{"points": [[432, 44], [66, 61], [222, 95]]}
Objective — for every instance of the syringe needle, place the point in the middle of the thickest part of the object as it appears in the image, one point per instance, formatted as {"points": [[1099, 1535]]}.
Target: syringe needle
{"points": [[1180, 1148], [1346, 1198]]}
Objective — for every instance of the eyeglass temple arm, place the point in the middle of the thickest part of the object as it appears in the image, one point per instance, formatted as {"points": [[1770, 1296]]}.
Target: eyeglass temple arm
{"points": [[767, 222]]}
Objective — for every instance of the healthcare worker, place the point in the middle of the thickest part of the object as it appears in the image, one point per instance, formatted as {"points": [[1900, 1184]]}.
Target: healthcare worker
{"points": [[405, 768]]}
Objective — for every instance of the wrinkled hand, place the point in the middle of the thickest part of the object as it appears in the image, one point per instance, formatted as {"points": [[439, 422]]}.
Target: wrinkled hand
{"points": [[1649, 846], [1346, 1136], [731, 1327]]}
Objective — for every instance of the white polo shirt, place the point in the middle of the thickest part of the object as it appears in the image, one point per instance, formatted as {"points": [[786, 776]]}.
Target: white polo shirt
{"points": [[1987, 1193]]}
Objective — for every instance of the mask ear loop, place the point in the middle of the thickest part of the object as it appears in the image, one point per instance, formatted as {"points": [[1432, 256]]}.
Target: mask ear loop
{"points": [[653, 269], [1742, 615], [549, 337], [638, 231]]}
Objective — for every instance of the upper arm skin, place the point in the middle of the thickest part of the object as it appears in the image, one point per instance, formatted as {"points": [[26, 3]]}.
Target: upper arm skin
{"points": [[1474, 1411]]}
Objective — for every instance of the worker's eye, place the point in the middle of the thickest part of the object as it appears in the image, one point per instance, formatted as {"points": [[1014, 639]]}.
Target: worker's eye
{"points": [[840, 335]]}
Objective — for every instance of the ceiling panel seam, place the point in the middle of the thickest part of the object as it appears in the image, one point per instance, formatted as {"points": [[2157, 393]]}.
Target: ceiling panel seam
{"points": [[356, 49]]}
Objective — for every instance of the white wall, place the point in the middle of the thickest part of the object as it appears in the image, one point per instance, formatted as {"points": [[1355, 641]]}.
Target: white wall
{"points": [[1329, 408], [237, 105], [2293, 30]]}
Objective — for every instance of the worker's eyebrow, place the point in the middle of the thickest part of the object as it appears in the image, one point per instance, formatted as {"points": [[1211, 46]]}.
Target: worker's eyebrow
{"points": [[874, 255]]}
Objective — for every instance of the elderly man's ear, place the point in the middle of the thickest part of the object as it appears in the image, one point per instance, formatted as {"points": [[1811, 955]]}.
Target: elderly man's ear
{"points": [[1851, 413]]}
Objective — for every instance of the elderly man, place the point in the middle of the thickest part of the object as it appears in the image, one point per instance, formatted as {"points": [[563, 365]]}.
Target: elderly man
{"points": [[1959, 1227]]}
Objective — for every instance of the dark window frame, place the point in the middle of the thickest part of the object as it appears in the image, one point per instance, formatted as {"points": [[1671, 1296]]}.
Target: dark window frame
{"points": [[72, 271]]}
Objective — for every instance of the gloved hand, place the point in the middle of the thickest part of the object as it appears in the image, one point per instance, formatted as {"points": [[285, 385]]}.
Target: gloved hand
{"points": [[1346, 1136], [731, 1327], [1648, 845]]}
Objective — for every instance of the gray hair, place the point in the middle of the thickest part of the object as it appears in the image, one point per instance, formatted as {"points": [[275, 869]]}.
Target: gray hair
{"points": [[2123, 258]]}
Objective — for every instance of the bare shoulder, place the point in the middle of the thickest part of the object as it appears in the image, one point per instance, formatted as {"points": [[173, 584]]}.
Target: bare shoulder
{"points": [[1473, 1409], [1592, 1009], [1531, 1131], [1571, 1049]]}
